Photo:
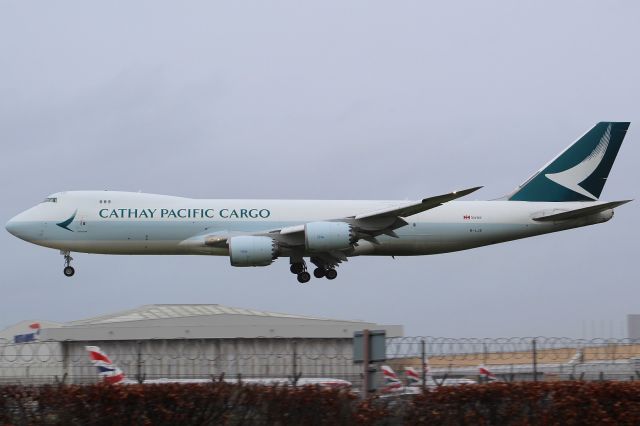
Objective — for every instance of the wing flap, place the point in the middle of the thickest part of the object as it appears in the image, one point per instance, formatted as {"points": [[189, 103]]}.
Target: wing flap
{"points": [[292, 229]]}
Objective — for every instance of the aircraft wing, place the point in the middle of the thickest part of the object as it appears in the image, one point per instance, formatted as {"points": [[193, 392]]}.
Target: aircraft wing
{"points": [[367, 225], [391, 217], [417, 207]]}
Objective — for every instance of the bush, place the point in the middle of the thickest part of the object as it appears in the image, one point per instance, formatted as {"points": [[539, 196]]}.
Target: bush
{"points": [[173, 404], [560, 403]]}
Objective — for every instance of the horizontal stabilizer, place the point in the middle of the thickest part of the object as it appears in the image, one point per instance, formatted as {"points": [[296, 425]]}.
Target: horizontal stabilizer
{"points": [[586, 211]]}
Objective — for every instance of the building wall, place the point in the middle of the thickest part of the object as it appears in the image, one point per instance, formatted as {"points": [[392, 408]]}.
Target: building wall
{"points": [[204, 358], [633, 326], [181, 358], [33, 362]]}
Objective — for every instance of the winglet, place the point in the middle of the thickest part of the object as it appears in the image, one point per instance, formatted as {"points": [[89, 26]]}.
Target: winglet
{"points": [[462, 193]]}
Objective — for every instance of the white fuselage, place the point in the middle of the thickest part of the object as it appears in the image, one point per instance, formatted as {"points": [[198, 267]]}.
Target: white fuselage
{"points": [[111, 222]]}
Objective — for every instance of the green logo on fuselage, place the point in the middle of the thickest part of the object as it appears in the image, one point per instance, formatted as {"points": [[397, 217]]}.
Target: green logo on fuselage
{"points": [[66, 223]]}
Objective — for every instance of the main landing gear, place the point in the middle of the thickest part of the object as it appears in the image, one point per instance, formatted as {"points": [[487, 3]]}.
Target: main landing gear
{"points": [[328, 273], [299, 267], [68, 269]]}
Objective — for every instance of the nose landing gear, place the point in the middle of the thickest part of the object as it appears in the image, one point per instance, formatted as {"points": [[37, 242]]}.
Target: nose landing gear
{"points": [[68, 269]]}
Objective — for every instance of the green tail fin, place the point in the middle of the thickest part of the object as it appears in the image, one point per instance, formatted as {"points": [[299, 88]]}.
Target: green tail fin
{"points": [[580, 171]]}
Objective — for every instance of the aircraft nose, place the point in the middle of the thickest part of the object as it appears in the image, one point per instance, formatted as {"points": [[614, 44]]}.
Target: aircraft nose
{"points": [[12, 227], [19, 227]]}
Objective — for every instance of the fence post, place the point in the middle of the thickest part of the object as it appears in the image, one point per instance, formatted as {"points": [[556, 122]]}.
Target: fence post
{"points": [[535, 360], [424, 364], [140, 376], [296, 375], [66, 359], [365, 363]]}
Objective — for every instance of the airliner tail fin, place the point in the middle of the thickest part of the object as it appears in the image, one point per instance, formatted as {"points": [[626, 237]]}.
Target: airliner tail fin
{"points": [[580, 171], [391, 380], [413, 378], [486, 374], [108, 371]]}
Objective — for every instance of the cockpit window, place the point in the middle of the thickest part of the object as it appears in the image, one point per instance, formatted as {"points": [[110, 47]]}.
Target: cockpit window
{"points": [[50, 200]]}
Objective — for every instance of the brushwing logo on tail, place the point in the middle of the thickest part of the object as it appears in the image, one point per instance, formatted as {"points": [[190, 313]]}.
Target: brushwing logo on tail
{"points": [[573, 177]]}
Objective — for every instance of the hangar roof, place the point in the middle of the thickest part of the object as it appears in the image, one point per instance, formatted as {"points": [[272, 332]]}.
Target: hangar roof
{"points": [[207, 321], [151, 312]]}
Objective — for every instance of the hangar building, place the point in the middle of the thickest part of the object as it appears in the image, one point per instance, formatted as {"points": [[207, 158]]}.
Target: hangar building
{"points": [[188, 341]]}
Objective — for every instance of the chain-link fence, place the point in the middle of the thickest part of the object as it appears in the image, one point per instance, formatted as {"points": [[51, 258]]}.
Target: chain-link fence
{"points": [[519, 358], [507, 359]]}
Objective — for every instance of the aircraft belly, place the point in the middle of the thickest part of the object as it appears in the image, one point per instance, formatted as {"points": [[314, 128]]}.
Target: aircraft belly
{"points": [[118, 246], [130, 238], [444, 238]]}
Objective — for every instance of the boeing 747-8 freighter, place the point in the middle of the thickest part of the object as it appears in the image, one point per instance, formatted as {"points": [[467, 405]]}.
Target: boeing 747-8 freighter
{"points": [[562, 195]]}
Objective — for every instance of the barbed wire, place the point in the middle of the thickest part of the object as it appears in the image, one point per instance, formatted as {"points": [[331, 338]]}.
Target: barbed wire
{"points": [[460, 349], [589, 359], [514, 348]]}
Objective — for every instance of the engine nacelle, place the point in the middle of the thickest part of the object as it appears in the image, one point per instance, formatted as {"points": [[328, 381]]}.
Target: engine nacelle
{"points": [[247, 250], [324, 236]]}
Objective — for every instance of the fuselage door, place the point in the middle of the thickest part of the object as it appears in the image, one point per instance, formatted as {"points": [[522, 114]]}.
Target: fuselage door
{"points": [[82, 224]]}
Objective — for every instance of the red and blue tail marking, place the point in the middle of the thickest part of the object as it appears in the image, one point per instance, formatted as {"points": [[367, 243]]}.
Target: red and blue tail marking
{"points": [[391, 380], [487, 374], [413, 379], [109, 372]]}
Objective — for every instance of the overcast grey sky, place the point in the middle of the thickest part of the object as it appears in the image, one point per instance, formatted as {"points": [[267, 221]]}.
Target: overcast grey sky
{"points": [[322, 99]]}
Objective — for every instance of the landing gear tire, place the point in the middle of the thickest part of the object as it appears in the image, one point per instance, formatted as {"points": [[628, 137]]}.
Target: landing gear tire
{"points": [[304, 277], [331, 274], [319, 272], [297, 268], [68, 269]]}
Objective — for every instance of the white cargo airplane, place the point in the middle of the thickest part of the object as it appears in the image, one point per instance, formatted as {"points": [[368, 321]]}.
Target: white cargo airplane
{"points": [[561, 195]]}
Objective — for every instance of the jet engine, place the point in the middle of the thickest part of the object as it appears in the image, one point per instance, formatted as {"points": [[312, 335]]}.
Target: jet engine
{"points": [[326, 236], [247, 250]]}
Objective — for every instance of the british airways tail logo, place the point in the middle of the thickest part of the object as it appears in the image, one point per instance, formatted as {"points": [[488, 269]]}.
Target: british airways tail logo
{"points": [[573, 177], [65, 224], [412, 376], [109, 372]]}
